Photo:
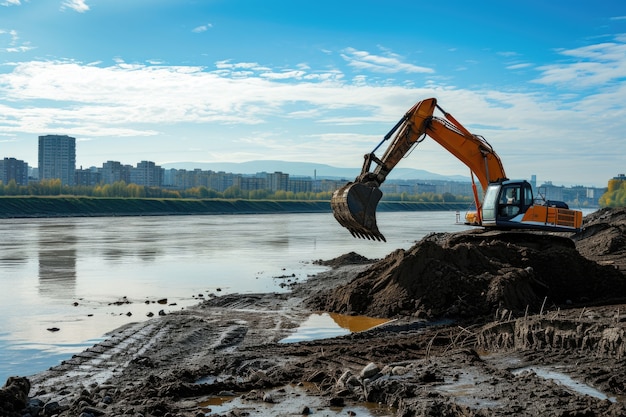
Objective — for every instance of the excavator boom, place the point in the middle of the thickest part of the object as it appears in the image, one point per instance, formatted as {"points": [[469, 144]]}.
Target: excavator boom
{"points": [[354, 205]]}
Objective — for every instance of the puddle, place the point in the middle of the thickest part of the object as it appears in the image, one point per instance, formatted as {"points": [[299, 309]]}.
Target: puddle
{"points": [[468, 389], [289, 400], [566, 381], [217, 401], [329, 325]]}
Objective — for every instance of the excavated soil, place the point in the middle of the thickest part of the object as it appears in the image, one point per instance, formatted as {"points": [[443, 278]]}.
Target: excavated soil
{"points": [[482, 323]]}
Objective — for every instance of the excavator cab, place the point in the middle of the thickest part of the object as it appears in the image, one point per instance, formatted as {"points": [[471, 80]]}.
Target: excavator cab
{"points": [[504, 201], [511, 205]]}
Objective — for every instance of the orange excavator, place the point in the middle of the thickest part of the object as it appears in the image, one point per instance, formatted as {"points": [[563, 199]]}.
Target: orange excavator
{"points": [[507, 204]]}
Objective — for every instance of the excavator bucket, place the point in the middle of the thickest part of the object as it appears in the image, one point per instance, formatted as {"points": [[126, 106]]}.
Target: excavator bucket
{"points": [[354, 207]]}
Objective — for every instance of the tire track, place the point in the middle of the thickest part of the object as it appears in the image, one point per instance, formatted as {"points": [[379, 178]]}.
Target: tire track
{"points": [[102, 362]]}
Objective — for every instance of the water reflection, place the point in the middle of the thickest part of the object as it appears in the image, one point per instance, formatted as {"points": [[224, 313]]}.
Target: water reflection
{"points": [[327, 325], [356, 324], [57, 260], [12, 251]]}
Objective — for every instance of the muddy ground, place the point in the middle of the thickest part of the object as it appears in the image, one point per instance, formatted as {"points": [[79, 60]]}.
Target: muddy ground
{"points": [[481, 324]]}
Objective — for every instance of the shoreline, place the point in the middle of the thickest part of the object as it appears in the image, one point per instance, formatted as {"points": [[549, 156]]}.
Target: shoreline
{"points": [[43, 207]]}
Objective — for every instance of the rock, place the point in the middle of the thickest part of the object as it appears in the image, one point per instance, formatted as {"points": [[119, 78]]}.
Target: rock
{"points": [[52, 408], [348, 380], [94, 411], [267, 398], [336, 402], [399, 370], [14, 395], [34, 406], [369, 371]]}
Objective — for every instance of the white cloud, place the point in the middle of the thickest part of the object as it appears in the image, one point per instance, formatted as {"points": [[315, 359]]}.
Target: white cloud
{"points": [[202, 28], [592, 65], [249, 111], [508, 54], [391, 63], [284, 75], [10, 3], [519, 66], [79, 6], [13, 44]]}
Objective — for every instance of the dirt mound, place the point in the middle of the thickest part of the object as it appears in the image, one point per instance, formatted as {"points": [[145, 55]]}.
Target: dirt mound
{"points": [[603, 237], [474, 274], [351, 258]]}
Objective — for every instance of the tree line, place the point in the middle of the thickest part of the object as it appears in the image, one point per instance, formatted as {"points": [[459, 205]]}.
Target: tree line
{"points": [[615, 196], [120, 189]]}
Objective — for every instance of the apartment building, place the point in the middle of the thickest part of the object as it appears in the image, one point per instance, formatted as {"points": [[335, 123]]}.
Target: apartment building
{"points": [[147, 173], [57, 158], [13, 169]]}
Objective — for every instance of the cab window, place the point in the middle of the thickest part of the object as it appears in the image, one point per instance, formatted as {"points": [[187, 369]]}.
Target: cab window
{"points": [[510, 201]]}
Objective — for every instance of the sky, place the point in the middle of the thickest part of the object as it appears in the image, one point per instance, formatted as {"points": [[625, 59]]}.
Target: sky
{"points": [[317, 81]]}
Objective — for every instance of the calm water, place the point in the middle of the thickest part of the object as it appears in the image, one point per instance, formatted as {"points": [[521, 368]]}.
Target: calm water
{"points": [[88, 276]]}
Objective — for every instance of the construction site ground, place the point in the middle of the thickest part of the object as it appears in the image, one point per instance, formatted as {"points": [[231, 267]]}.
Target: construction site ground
{"points": [[481, 323]]}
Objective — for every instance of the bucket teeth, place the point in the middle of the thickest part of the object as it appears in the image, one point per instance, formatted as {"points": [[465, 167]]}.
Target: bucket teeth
{"points": [[354, 207]]}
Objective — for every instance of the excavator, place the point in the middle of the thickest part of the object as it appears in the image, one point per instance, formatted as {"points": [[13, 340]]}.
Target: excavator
{"points": [[506, 205]]}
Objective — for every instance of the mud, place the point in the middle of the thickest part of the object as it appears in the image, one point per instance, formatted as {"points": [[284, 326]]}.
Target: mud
{"points": [[483, 324]]}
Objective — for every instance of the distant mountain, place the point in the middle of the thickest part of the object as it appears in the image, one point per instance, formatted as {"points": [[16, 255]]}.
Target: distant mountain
{"points": [[308, 169]]}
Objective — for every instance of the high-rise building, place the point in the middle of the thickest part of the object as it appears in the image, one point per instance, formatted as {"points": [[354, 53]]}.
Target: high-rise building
{"points": [[87, 177], [13, 169], [277, 181], [147, 173], [57, 158], [113, 171]]}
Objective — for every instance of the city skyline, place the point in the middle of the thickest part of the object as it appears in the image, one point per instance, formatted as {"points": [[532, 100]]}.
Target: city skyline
{"points": [[418, 175], [57, 160], [235, 81]]}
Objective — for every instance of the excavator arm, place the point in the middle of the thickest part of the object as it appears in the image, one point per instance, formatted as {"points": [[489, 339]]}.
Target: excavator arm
{"points": [[354, 205]]}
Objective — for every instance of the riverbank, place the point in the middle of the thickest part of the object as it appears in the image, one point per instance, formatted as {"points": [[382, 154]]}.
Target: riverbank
{"points": [[64, 206], [501, 331]]}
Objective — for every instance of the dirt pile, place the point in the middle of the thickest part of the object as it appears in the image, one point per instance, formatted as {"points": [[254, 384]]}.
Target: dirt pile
{"points": [[351, 258], [476, 274], [603, 237]]}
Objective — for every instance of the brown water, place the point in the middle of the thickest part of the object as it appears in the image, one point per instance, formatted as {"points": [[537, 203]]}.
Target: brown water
{"points": [[327, 325]]}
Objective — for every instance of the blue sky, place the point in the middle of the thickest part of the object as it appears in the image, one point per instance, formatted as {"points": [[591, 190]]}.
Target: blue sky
{"points": [[240, 80]]}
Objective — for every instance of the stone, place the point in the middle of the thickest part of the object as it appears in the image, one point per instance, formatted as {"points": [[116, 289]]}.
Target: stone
{"points": [[369, 371]]}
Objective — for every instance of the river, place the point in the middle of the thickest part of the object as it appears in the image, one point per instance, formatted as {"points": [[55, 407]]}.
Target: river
{"points": [[65, 282]]}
